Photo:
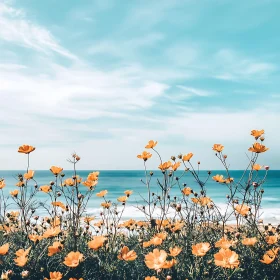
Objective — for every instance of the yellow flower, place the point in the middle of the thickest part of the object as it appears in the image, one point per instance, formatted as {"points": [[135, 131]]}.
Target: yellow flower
{"points": [[26, 149], [151, 144]]}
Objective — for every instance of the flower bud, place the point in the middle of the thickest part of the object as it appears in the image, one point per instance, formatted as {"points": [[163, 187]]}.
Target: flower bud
{"points": [[51, 183], [266, 167], [180, 156], [173, 158]]}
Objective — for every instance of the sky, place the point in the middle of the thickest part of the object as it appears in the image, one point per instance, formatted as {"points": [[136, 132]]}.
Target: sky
{"points": [[101, 78]]}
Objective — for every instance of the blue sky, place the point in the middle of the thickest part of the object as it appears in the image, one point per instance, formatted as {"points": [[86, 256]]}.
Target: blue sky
{"points": [[103, 77]]}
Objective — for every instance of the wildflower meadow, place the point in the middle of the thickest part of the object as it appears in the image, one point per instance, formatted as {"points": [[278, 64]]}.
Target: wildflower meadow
{"points": [[181, 237]]}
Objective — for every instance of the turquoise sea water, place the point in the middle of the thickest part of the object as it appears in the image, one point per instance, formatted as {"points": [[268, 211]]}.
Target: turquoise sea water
{"points": [[116, 182]]}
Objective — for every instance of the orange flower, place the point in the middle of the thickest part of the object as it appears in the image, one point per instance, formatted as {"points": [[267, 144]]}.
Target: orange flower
{"points": [[169, 264], [164, 166], [45, 189], [226, 258], [35, 237], [2, 184], [102, 193], [174, 252], [249, 241], [258, 148], [161, 235], [257, 133], [257, 167], [242, 209], [151, 278], [176, 165], [156, 259], [272, 239], [229, 180], [73, 259], [146, 244], [56, 170], [55, 248], [93, 176], [55, 276], [106, 205], [128, 193], [151, 144], [22, 259], [203, 201], [269, 256], [122, 199], [224, 243], [20, 184], [69, 182], [26, 149], [4, 249], [218, 148], [14, 193], [187, 157], [200, 249], [51, 232], [156, 241], [145, 155], [97, 242], [29, 175], [88, 219], [59, 204], [90, 184], [127, 255], [219, 178]]}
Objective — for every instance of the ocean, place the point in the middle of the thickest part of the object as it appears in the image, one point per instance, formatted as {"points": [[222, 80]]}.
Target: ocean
{"points": [[117, 181]]}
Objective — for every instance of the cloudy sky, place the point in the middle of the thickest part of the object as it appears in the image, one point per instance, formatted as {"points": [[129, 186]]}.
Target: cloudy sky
{"points": [[103, 77]]}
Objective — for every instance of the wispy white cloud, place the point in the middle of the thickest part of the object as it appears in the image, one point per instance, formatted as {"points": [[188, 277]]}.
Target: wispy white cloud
{"points": [[232, 66], [16, 28]]}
